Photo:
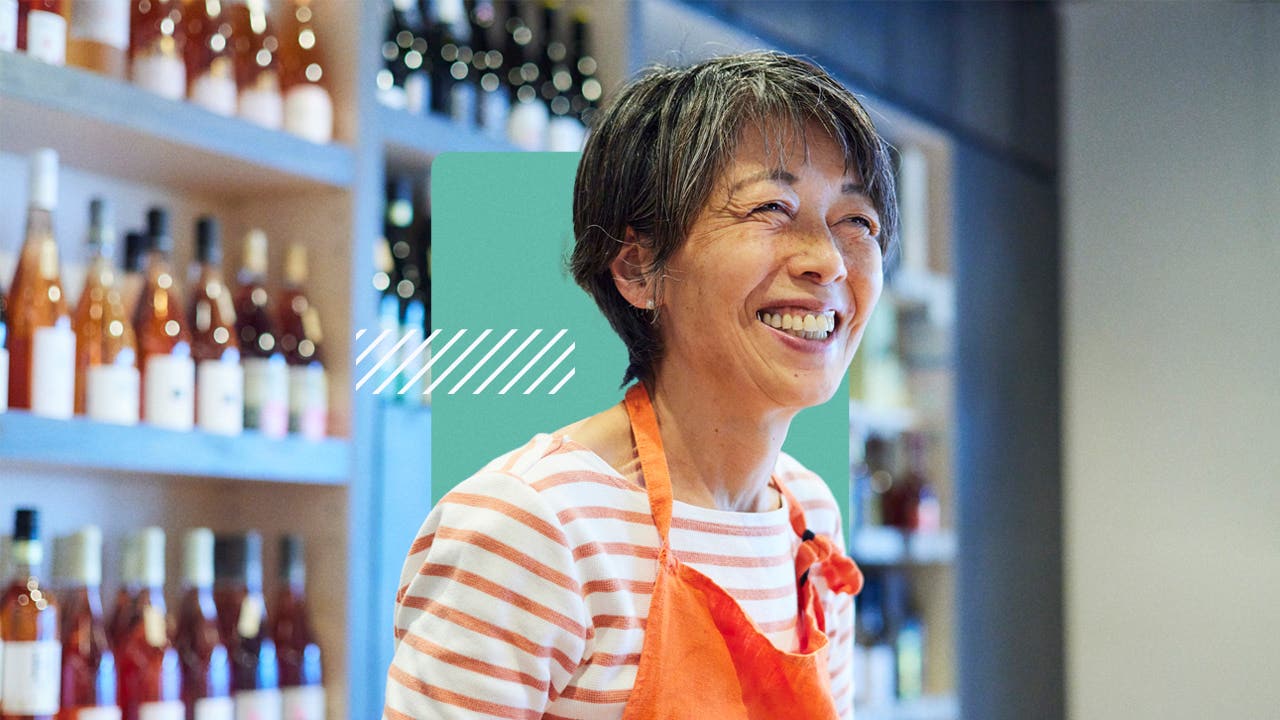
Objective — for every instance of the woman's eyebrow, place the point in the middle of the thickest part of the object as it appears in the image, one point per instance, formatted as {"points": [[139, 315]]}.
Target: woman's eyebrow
{"points": [[776, 175], [853, 189]]}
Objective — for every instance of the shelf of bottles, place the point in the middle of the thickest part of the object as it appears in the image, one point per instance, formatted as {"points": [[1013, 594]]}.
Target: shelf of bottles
{"points": [[226, 652]]}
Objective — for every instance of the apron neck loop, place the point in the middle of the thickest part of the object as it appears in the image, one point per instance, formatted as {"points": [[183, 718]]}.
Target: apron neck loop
{"points": [[653, 462]]}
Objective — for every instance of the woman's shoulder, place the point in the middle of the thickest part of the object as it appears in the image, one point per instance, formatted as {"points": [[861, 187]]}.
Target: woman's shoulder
{"points": [[821, 511]]}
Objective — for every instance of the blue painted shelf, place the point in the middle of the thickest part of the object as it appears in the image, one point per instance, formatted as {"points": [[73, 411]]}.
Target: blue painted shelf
{"points": [[80, 443], [412, 140], [114, 128]]}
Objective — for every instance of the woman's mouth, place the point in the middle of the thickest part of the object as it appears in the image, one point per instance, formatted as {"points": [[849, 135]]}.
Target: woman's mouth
{"points": [[809, 326]]}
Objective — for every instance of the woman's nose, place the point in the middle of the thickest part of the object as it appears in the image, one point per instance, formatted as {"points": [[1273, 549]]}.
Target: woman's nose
{"points": [[817, 257]]}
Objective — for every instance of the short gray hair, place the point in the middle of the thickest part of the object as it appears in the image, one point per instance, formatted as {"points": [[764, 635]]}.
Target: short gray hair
{"points": [[655, 154]]}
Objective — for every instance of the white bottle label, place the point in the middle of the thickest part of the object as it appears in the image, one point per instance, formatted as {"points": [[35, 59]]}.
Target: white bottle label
{"points": [[527, 125], [172, 710], [53, 372], [47, 37], [102, 712], [32, 677], [220, 397], [8, 25], [215, 94], [4, 387], [221, 708], [308, 113], [262, 107], [258, 705], [106, 21], [495, 108], [112, 393], [415, 96], [162, 74], [462, 104], [308, 401], [250, 620], [266, 395], [303, 703], [565, 134], [170, 392]]}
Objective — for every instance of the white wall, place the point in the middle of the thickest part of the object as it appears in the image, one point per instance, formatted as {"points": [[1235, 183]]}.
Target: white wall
{"points": [[1171, 211]]}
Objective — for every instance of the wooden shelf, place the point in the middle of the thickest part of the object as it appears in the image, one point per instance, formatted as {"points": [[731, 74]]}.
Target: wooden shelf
{"points": [[412, 140], [928, 708], [885, 546], [80, 443], [114, 128]]}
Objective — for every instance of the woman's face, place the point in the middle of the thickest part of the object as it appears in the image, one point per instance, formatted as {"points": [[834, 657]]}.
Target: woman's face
{"points": [[768, 297]]}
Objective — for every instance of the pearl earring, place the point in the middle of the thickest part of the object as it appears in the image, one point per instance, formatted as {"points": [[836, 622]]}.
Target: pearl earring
{"points": [[649, 304]]}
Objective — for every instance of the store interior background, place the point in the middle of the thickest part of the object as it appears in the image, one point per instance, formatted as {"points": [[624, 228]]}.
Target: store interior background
{"points": [[1114, 239]]}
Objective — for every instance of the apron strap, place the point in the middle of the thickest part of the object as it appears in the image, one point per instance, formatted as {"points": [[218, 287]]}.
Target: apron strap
{"points": [[653, 463], [840, 572]]}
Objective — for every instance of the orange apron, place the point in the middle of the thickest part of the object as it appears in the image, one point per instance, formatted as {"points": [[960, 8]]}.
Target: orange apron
{"points": [[703, 656]]}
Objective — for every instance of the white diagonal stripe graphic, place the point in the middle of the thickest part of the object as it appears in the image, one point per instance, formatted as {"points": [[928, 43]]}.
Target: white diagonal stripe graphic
{"points": [[551, 367], [507, 362], [483, 360], [454, 364], [529, 364], [360, 333], [417, 351], [432, 361], [394, 349], [560, 384], [369, 349]]}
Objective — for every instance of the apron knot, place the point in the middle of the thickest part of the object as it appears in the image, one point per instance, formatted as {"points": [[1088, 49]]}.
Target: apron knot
{"points": [[840, 572]]}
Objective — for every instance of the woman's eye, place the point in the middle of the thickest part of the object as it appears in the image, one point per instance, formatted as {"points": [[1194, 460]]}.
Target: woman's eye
{"points": [[771, 207]]}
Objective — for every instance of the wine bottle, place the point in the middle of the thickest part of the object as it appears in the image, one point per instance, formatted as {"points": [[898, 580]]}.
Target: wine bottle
{"points": [[564, 132], [266, 376], [587, 89], [130, 588], [300, 339], [493, 104], [98, 36], [301, 683], [42, 30], [243, 623], [219, 376], [164, 342], [206, 666], [156, 48], [88, 664], [149, 674], [42, 365], [256, 50], [527, 123], [29, 630], [211, 77], [401, 60], [455, 79], [308, 107], [107, 382]]}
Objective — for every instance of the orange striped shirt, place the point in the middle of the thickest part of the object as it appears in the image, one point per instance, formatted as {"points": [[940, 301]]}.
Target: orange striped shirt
{"points": [[526, 591]]}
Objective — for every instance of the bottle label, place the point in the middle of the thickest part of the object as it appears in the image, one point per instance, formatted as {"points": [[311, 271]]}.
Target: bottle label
{"points": [[102, 712], [565, 134], [170, 392], [4, 378], [220, 397], [154, 628], [462, 104], [112, 393], [104, 21], [495, 107], [303, 703], [262, 107], [220, 708], [171, 710], [258, 705], [47, 37], [266, 395], [415, 96], [527, 125], [8, 25], [164, 75], [308, 401], [32, 677], [53, 372], [308, 113], [250, 621], [215, 93]]}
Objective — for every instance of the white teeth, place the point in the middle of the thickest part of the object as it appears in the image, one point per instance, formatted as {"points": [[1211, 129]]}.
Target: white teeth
{"points": [[808, 326], [787, 322]]}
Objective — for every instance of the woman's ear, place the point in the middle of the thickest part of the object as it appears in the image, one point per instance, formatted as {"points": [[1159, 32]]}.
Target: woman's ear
{"points": [[631, 271]]}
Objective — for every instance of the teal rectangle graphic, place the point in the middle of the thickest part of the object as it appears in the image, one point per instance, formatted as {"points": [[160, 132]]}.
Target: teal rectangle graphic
{"points": [[502, 234]]}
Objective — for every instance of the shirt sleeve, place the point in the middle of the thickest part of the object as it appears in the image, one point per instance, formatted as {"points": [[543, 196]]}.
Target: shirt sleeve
{"points": [[490, 619]]}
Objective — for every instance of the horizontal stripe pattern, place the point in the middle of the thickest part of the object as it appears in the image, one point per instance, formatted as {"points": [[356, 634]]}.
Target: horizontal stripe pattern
{"points": [[526, 591]]}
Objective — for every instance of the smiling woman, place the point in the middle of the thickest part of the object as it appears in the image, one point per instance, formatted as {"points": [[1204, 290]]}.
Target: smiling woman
{"points": [[664, 556]]}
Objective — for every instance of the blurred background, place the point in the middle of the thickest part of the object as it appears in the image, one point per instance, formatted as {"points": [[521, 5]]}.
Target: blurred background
{"points": [[1058, 478]]}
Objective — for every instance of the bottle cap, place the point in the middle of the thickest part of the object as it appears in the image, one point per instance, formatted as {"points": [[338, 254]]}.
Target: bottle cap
{"points": [[135, 249], [208, 240], [77, 558], [197, 558], [238, 558], [26, 525], [102, 225], [158, 230], [255, 251], [44, 179], [150, 556], [129, 573], [295, 265], [293, 567]]}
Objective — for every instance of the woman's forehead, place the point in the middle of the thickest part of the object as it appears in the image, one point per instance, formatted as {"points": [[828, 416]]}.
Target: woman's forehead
{"points": [[777, 148]]}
